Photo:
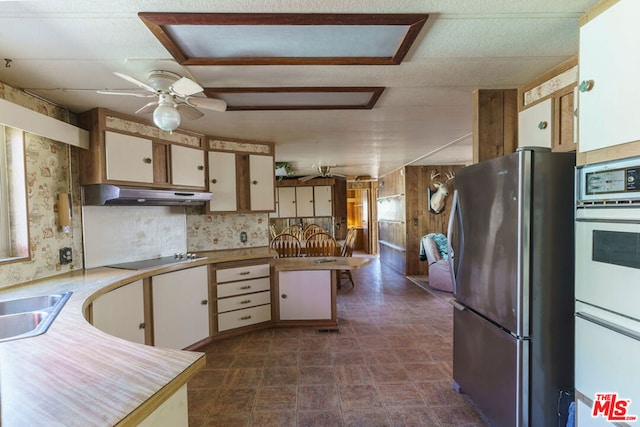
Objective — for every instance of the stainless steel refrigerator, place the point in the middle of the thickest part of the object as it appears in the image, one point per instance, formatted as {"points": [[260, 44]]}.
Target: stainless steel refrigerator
{"points": [[512, 232]]}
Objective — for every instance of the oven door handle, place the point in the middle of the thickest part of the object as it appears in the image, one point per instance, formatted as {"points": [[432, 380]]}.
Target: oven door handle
{"points": [[611, 326]]}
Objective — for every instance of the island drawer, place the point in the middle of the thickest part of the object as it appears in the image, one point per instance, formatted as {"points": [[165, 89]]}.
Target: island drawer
{"points": [[244, 301], [244, 287], [242, 273], [245, 317]]}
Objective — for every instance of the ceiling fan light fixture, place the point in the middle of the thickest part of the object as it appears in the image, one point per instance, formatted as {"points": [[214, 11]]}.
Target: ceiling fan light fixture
{"points": [[166, 116]]}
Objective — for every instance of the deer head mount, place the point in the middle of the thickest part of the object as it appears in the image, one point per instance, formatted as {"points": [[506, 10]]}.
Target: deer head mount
{"points": [[440, 191]]}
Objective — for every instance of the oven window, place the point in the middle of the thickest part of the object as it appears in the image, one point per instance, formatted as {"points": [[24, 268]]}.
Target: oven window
{"points": [[615, 247]]}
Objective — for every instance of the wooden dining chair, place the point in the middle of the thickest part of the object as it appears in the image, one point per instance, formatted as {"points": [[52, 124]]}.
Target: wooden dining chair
{"points": [[312, 229], [287, 245], [296, 230], [347, 251], [272, 231], [321, 244]]}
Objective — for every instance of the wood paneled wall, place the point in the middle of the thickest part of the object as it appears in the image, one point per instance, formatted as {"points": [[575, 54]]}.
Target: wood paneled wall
{"points": [[404, 216]]}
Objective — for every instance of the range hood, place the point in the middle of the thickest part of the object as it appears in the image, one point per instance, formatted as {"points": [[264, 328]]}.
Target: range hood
{"points": [[106, 194]]}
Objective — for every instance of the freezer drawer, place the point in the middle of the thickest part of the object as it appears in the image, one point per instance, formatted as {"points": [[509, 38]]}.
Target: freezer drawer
{"points": [[486, 367]]}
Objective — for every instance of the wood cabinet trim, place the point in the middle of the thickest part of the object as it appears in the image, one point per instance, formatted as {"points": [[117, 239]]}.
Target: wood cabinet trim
{"points": [[548, 75], [595, 10]]}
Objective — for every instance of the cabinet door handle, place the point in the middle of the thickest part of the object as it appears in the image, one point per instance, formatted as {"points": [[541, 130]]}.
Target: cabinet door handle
{"points": [[204, 302], [543, 125], [254, 182], [147, 160], [586, 85], [244, 273], [200, 167], [284, 296], [142, 325], [245, 287], [247, 301], [245, 318], [214, 181]]}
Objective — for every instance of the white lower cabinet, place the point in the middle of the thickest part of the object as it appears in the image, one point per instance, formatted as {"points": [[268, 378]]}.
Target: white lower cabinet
{"points": [[180, 307], [121, 312], [305, 295], [244, 295]]}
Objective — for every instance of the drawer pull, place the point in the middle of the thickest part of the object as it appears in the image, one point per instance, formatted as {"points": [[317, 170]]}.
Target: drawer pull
{"points": [[204, 302], [245, 318], [142, 325], [247, 301], [245, 287], [244, 273]]}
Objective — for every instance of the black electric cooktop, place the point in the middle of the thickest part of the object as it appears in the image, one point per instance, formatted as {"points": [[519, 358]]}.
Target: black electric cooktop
{"points": [[153, 262]]}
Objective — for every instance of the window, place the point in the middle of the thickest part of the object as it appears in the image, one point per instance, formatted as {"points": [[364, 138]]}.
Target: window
{"points": [[14, 239]]}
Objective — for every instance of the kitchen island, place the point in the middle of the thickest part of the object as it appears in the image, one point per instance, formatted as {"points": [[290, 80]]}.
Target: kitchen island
{"points": [[77, 375], [305, 289]]}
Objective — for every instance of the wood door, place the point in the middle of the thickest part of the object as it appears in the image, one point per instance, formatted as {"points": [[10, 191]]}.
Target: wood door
{"points": [[262, 183], [128, 158], [304, 202], [322, 200], [287, 202], [535, 125], [121, 312], [180, 307], [187, 166], [222, 181]]}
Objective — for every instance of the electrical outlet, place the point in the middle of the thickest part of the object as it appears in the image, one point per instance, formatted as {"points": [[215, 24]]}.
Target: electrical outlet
{"points": [[66, 256], [243, 236]]}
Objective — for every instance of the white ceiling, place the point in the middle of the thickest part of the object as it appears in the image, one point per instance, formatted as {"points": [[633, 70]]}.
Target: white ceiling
{"points": [[65, 50]]}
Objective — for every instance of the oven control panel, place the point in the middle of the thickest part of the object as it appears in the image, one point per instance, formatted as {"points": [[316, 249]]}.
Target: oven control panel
{"points": [[611, 182]]}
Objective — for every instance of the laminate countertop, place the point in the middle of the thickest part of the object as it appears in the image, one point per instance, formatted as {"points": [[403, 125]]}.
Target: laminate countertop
{"points": [[319, 263], [77, 375]]}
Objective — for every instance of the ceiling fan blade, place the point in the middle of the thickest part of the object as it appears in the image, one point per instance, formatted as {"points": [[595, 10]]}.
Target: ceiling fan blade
{"points": [[185, 87], [135, 81], [115, 92], [307, 178], [213, 104], [188, 111], [147, 108]]}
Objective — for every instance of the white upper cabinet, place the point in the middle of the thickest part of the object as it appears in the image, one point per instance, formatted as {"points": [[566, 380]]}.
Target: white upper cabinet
{"points": [[535, 125], [222, 181], [287, 202], [262, 182], [322, 200], [128, 158], [187, 166], [304, 201], [609, 66]]}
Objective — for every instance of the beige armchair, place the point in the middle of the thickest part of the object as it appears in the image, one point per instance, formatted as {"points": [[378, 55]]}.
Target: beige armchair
{"points": [[439, 271]]}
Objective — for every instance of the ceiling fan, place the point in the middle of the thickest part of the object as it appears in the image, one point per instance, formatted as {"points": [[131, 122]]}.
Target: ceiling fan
{"points": [[323, 172], [175, 95]]}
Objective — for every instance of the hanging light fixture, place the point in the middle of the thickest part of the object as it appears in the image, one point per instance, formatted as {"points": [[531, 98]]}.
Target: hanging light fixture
{"points": [[166, 116]]}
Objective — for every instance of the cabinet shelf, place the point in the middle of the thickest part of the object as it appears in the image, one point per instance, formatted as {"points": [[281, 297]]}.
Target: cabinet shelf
{"points": [[393, 196], [391, 245]]}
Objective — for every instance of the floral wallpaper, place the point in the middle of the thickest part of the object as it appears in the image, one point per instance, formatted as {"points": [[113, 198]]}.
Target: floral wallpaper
{"points": [[222, 231], [564, 79], [116, 123], [250, 147], [49, 171]]}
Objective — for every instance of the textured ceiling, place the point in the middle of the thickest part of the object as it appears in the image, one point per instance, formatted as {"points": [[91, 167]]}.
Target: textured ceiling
{"points": [[64, 51]]}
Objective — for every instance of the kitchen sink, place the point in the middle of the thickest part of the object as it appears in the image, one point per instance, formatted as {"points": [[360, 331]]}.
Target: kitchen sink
{"points": [[30, 316]]}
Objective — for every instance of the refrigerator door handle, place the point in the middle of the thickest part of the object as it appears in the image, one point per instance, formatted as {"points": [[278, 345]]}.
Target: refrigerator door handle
{"points": [[455, 214], [611, 326]]}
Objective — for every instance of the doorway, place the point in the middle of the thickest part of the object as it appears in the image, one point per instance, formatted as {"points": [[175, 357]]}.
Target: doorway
{"points": [[359, 217]]}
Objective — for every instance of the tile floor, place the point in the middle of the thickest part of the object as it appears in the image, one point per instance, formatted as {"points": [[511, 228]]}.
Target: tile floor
{"points": [[390, 365]]}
